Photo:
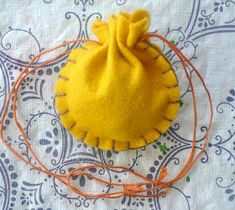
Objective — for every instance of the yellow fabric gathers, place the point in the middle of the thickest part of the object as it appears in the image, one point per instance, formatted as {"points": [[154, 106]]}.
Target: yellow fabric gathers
{"points": [[121, 94]]}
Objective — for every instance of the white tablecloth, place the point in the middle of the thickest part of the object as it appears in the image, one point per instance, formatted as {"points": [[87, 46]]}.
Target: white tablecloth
{"points": [[203, 29]]}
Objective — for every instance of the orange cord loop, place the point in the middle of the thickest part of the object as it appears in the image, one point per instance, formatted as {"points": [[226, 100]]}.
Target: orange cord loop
{"points": [[132, 190]]}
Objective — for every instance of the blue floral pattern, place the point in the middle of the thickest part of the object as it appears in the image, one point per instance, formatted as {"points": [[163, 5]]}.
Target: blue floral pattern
{"points": [[51, 141], [62, 153]]}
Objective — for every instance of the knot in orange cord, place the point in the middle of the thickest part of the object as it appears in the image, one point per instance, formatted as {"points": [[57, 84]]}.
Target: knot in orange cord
{"points": [[132, 188]]}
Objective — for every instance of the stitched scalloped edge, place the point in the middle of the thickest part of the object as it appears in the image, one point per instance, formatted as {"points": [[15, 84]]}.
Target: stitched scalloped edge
{"points": [[112, 144]]}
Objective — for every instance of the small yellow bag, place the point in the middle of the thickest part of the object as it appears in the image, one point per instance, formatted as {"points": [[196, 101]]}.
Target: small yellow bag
{"points": [[122, 94]]}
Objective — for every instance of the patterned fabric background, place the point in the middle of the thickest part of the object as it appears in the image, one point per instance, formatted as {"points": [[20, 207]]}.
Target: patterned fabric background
{"points": [[203, 29]]}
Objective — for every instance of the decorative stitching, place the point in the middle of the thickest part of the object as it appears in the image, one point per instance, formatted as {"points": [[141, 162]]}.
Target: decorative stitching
{"points": [[165, 118], [113, 145], [146, 48], [167, 71], [83, 48], [128, 145], [60, 95], [114, 141], [173, 86], [97, 141], [72, 126], [173, 102], [166, 59], [84, 136], [62, 77], [72, 61], [158, 131], [63, 113], [157, 56], [160, 52], [141, 136]]}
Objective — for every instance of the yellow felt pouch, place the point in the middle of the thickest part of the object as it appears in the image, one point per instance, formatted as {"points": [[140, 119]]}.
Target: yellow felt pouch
{"points": [[121, 94]]}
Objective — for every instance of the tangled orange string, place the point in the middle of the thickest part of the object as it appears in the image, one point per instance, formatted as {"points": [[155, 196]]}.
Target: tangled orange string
{"points": [[134, 189]]}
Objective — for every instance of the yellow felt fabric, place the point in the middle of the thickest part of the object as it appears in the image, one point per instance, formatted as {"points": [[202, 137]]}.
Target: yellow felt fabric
{"points": [[122, 94]]}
